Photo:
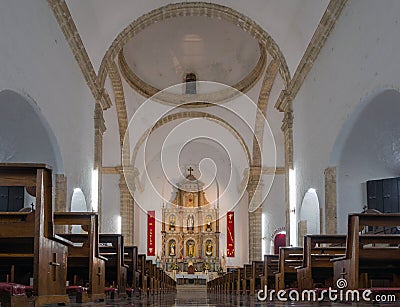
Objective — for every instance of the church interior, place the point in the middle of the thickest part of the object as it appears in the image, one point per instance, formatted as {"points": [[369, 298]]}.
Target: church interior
{"points": [[176, 153]]}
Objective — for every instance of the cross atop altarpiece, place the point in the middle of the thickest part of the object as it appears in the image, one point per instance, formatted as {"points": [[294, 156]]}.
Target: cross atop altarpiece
{"points": [[190, 169]]}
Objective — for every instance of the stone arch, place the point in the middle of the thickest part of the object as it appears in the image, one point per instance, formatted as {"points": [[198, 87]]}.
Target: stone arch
{"points": [[25, 135], [195, 9], [366, 148], [191, 114]]}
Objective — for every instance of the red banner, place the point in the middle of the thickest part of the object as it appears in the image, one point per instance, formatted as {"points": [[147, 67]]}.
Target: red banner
{"points": [[151, 231], [230, 234]]}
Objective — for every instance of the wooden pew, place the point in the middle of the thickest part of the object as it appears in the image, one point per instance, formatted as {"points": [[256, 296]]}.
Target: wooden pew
{"points": [[142, 274], [289, 259], [370, 256], [317, 267], [235, 281], [86, 267], [271, 267], [246, 278], [112, 248], [131, 260], [28, 245], [257, 274], [240, 276]]}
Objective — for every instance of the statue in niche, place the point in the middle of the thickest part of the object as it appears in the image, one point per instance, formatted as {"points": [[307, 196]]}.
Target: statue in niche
{"points": [[190, 222], [208, 223], [190, 248], [209, 249], [172, 248], [172, 223]]}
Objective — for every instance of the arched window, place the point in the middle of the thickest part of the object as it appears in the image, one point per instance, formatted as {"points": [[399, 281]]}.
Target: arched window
{"points": [[190, 84]]}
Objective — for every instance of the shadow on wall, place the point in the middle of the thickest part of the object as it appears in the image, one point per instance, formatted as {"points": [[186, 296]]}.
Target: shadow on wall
{"points": [[25, 135], [368, 147]]}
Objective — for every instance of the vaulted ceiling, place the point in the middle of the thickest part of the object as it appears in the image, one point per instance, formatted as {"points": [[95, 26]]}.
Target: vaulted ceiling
{"points": [[290, 23], [130, 50]]}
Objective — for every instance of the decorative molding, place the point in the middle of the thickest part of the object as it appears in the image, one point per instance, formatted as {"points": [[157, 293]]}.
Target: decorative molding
{"points": [[120, 106], [321, 34], [262, 104], [147, 90], [68, 27], [111, 170], [269, 170], [210, 10]]}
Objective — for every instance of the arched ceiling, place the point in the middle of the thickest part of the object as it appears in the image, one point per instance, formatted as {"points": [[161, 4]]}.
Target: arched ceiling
{"points": [[213, 49], [290, 23]]}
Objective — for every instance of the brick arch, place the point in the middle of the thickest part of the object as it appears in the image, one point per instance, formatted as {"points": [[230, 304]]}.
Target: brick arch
{"points": [[190, 114], [195, 9]]}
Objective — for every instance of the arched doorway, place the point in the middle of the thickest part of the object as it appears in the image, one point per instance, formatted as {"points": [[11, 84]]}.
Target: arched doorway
{"points": [[309, 215], [279, 241]]}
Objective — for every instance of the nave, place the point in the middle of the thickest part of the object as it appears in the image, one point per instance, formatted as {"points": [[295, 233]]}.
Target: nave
{"points": [[43, 265]]}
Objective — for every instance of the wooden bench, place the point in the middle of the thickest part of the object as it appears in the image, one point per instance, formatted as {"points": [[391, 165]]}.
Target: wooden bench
{"points": [[86, 267], [131, 260], [370, 259], [235, 281], [246, 278], [112, 248], [271, 267], [141, 269], [317, 267], [257, 274], [289, 259], [28, 245]]}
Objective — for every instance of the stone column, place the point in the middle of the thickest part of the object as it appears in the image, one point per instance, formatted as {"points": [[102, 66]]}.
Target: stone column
{"points": [[99, 129], [60, 203], [61, 193], [254, 189], [126, 209], [330, 201], [287, 128]]}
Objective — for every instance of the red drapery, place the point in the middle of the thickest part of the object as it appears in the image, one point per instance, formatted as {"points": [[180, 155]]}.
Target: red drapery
{"points": [[151, 239], [230, 234]]}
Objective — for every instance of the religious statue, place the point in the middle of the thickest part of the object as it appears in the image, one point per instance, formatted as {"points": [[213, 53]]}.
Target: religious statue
{"points": [[209, 249], [190, 249], [208, 223], [172, 248], [172, 223], [190, 222], [223, 263]]}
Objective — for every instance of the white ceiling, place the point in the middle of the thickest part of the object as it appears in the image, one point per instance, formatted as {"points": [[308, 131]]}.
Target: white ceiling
{"points": [[215, 50], [291, 23]]}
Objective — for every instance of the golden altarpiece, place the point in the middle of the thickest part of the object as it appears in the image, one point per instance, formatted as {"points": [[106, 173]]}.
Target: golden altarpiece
{"points": [[190, 230]]}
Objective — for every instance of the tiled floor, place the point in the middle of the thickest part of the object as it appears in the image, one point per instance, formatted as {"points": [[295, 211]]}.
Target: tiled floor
{"points": [[214, 300]]}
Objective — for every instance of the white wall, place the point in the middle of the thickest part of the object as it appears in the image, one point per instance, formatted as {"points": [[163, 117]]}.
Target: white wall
{"points": [[370, 151], [36, 61], [274, 208], [359, 58]]}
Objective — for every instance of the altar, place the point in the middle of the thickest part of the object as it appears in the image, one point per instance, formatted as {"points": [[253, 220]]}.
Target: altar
{"points": [[190, 231], [191, 279]]}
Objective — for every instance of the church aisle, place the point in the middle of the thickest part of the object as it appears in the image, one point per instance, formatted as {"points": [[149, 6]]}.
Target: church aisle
{"points": [[212, 300]]}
